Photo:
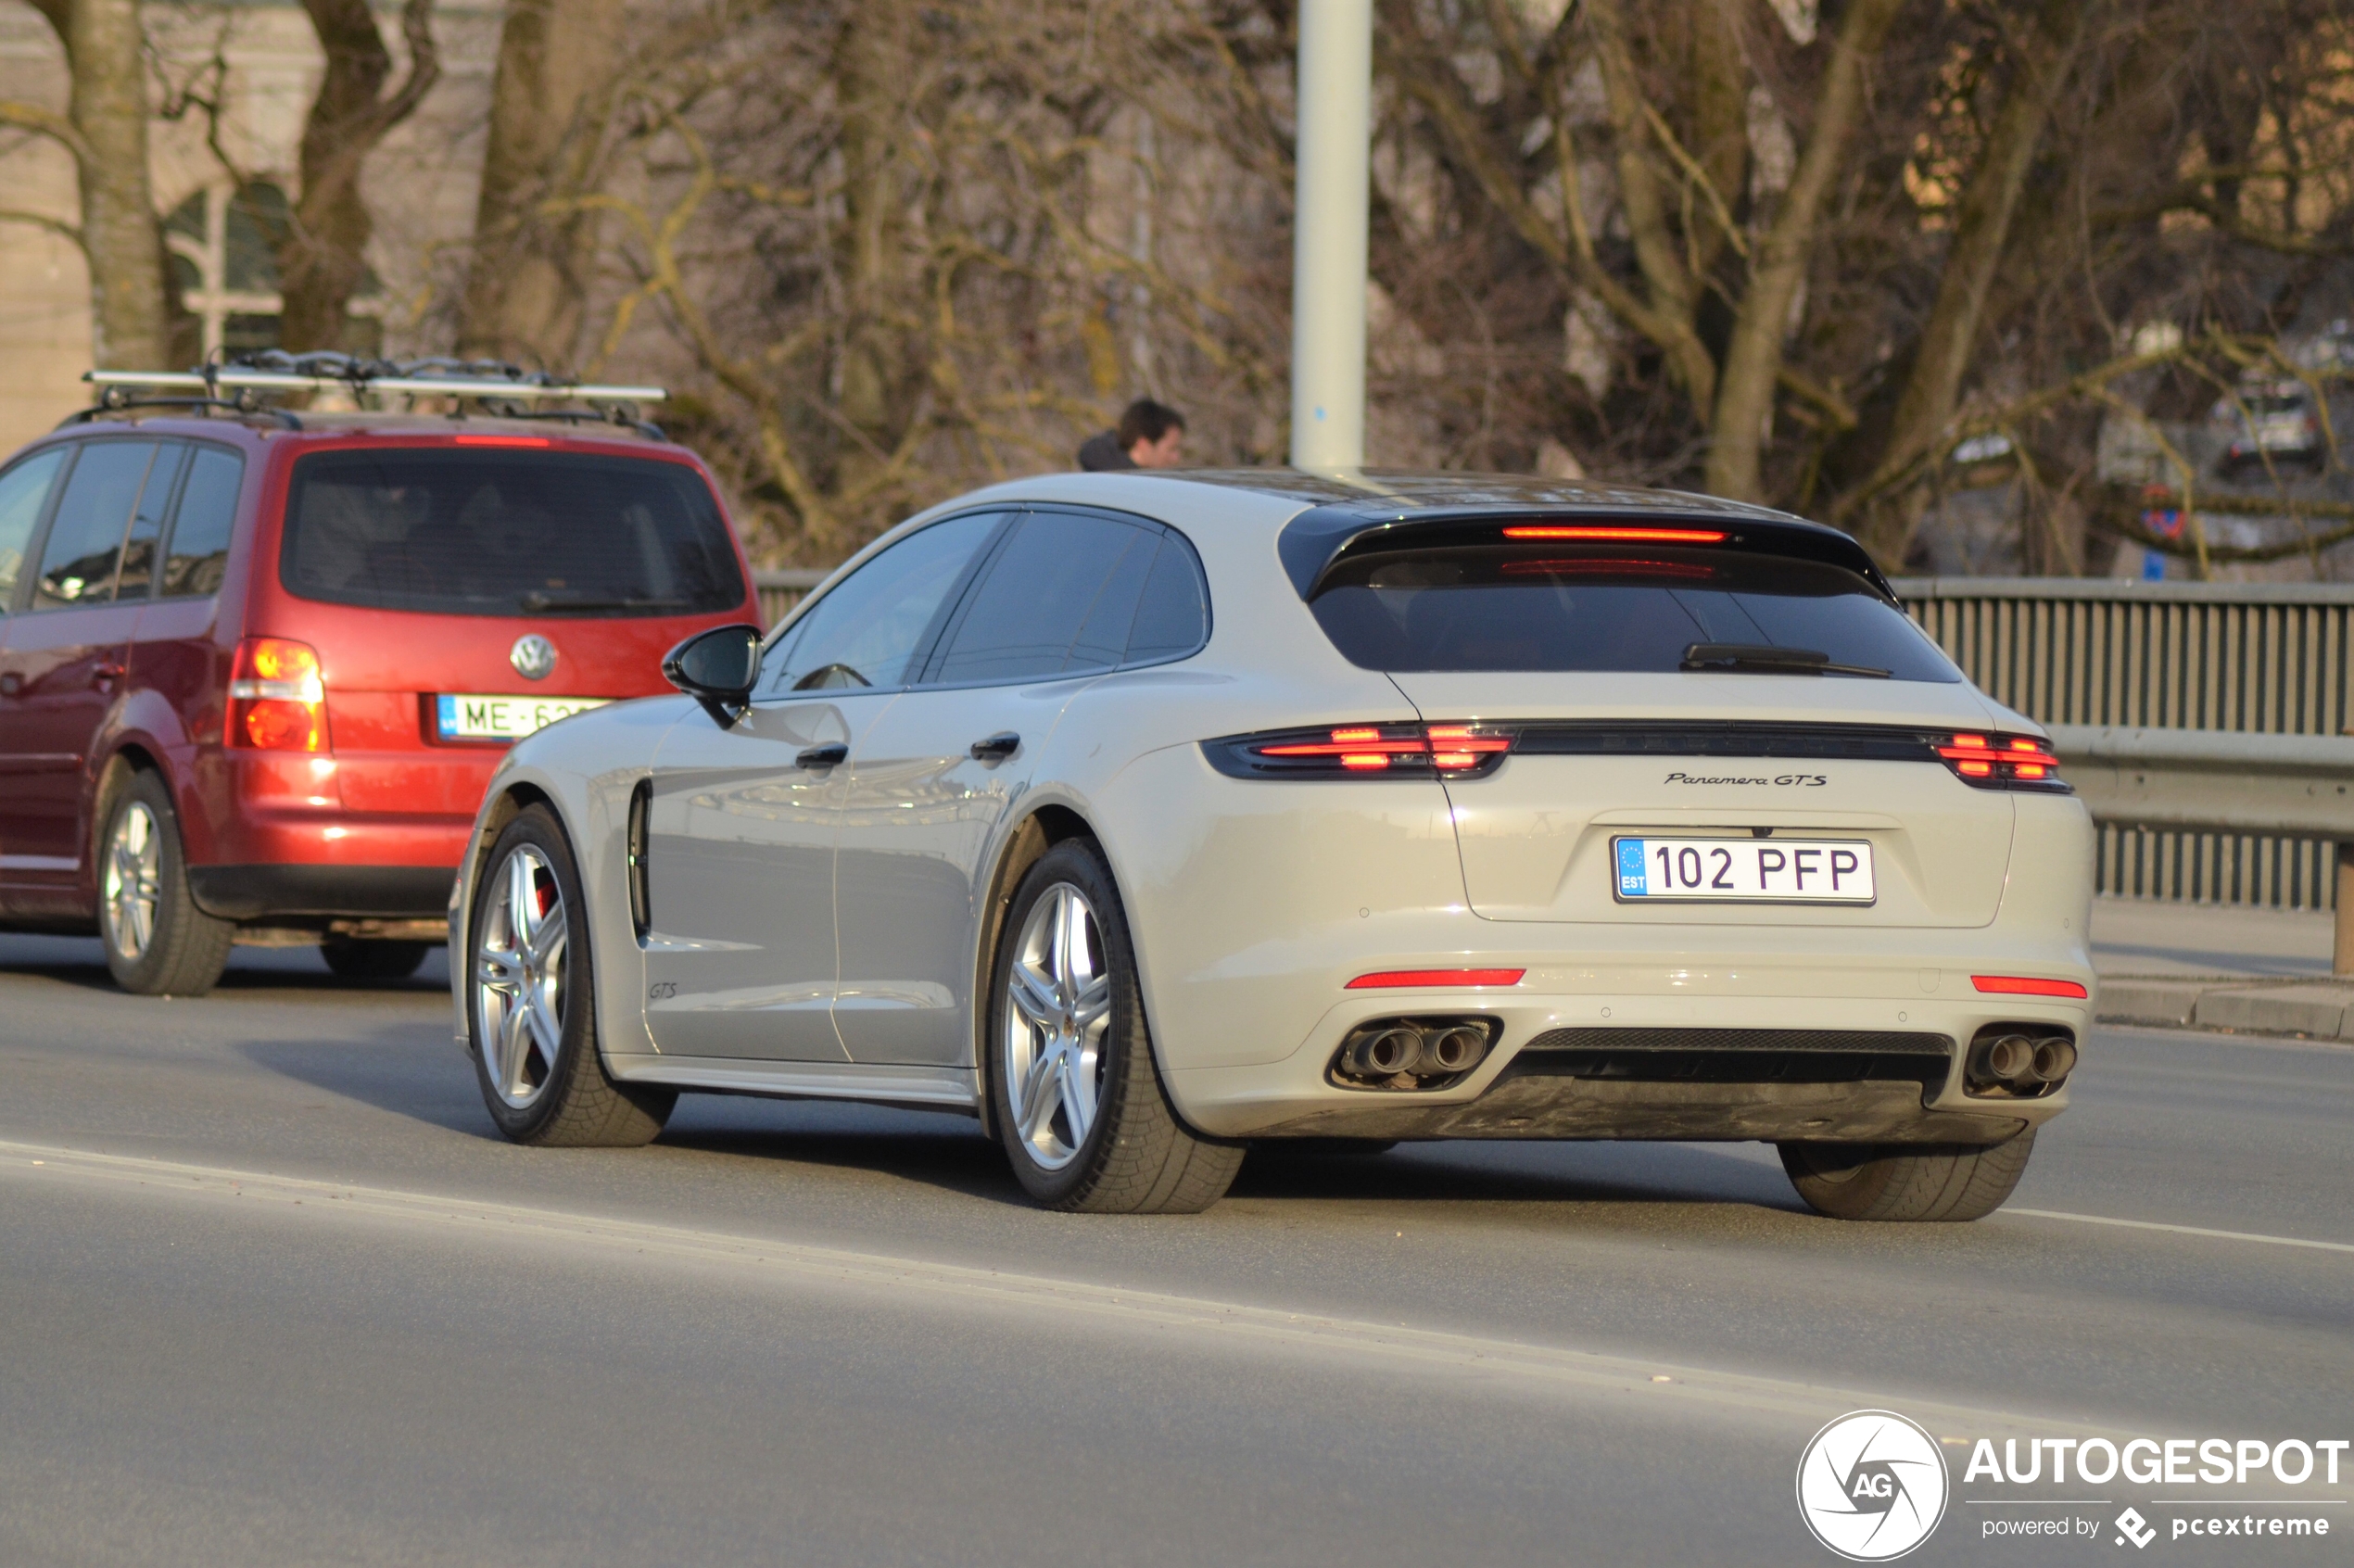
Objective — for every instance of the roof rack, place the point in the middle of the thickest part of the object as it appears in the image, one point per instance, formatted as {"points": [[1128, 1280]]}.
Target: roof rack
{"points": [[501, 388]]}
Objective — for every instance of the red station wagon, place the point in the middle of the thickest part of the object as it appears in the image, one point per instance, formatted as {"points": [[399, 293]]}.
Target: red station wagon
{"points": [[256, 668]]}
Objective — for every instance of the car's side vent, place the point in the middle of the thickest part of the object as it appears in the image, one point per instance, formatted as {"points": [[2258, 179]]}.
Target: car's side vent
{"points": [[641, 801]]}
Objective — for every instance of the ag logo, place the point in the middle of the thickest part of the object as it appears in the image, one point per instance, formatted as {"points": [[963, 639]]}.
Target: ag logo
{"points": [[1872, 1486], [533, 656]]}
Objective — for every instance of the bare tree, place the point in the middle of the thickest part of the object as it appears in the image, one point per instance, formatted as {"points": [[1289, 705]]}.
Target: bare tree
{"points": [[323, 253], [104, 127], [531, 274]]}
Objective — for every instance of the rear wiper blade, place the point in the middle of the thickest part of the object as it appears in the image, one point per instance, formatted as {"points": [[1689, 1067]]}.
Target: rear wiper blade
{"points": [[537, 602], [1760, 659]]}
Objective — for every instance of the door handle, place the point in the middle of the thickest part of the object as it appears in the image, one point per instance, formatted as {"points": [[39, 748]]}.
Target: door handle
{"points": [[826, 755], [997, 747]]}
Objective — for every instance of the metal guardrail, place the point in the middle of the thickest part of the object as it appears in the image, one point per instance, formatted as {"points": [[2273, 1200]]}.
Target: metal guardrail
{"points": [[781, 588], [2220, 781], [2266, 659]]}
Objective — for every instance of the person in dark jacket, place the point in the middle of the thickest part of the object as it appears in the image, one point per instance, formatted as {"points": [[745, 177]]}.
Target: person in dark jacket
{"points": [[1148, 436]]}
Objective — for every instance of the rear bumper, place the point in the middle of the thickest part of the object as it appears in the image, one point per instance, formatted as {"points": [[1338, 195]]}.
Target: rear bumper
{"points": [[254, 892], [1568, 1066]]}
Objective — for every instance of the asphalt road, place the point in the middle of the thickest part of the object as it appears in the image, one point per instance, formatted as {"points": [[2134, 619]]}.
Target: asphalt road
{"points": [[272, 1292]]}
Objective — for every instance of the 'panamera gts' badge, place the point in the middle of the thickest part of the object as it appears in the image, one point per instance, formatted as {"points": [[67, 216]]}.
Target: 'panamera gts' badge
{"points": [[533, 656]]}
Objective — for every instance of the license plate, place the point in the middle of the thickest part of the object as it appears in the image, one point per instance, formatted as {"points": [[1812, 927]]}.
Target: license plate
{"points": [[1776, 871], [506, 718]]}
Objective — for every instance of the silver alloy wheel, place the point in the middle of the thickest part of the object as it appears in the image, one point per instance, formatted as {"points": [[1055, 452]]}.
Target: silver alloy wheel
{"points": [[1057, 1013], [519, 976], [132, 881]]}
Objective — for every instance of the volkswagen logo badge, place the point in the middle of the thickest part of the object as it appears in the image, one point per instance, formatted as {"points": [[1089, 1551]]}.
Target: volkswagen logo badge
{"points": [[533, 656]]}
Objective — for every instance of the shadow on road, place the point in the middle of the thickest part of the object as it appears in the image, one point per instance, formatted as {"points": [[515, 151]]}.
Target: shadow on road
{"points": [[252, 970], [950, 1152]]}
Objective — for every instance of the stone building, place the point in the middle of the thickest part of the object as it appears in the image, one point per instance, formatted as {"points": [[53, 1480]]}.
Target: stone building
{"points": [[217, 185]]}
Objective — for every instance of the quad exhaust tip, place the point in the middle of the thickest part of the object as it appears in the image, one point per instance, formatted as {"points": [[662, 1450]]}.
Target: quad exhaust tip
{"points": [[1413, 1052], [2005, 1060]]}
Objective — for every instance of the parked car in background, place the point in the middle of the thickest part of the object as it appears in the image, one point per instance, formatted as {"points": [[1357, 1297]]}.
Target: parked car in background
{"points": [[1145, 817], [2276, 422], [256, 668]]}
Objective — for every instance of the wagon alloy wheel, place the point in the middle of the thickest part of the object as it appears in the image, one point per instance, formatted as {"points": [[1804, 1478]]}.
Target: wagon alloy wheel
{"points": [[519, 976], [1058, 1010], [529, 978], [134, 863], [1074, 1092]]}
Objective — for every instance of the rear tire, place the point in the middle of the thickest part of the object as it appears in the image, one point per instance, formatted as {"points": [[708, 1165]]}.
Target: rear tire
{"points": [[159, 943], [531, 1011], [377, 961], [1076, 1095], [1906, 1181]]}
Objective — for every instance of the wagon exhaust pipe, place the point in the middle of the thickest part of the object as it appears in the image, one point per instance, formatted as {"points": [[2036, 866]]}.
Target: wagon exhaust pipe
{"points": [[1383, 1052], [2006, 1061], [1457, 1048], [2054, 1059], [1412, 1053]]}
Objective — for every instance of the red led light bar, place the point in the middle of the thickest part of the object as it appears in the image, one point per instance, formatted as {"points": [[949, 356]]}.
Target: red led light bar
{"points": [[1449, 747], [502, 441], [2025, 985], [1617, 534], [1395, 980], [1994, 762]]}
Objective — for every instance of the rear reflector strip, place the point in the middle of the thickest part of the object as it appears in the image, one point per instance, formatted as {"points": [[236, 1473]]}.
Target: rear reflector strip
{"points": [[1393, 980], [2026, 985]]}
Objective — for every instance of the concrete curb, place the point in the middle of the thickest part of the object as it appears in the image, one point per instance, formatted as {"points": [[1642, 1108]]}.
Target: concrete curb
{"points": [[2310, 1009]]}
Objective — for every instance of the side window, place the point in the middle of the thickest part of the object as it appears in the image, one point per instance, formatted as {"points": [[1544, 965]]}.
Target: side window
{"points": [[1174, 620], [1059, 597], [146, 521], [85, 536], [873, 625], [199, 556], [23, 489]]}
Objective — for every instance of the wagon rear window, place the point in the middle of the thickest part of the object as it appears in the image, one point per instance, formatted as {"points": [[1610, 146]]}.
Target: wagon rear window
{"points": [[1538, 607], [506, 533]]}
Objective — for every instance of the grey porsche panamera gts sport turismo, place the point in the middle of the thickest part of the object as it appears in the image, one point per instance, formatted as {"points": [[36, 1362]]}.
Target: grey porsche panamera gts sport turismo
{"points": [[1149, 817]]}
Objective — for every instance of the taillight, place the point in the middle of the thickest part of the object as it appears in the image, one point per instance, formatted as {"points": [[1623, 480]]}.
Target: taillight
{"points": [[1362, 750], [277, 702], [2002, 762]]}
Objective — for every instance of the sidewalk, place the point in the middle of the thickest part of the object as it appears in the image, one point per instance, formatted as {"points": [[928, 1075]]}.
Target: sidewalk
{"points": [[2254, 971]]}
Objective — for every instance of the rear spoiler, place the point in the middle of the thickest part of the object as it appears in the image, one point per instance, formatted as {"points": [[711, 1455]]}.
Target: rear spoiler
{"points": [[1314, 542]]}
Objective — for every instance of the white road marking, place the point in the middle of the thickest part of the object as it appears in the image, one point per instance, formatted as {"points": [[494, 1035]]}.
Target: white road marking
{"points": [[2178, 1230], [1560, 1369]]}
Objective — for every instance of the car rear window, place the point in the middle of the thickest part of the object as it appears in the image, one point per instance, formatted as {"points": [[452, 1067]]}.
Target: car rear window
{"points": [[1540, 607], [506, 533]]}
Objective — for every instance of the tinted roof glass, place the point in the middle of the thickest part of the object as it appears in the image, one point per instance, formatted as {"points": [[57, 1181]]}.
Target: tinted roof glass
{"points": [[1538, 607], [505, 533]]}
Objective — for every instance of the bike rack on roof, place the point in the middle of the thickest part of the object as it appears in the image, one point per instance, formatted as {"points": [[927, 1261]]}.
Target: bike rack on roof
{"points": [[502, 388]]}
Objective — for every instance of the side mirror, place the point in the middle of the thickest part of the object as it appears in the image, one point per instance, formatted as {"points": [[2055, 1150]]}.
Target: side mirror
{"points": [[716, 668]]}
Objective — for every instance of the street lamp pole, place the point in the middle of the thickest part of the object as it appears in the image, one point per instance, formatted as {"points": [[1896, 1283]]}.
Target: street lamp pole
{"points": [[1328, 244]]}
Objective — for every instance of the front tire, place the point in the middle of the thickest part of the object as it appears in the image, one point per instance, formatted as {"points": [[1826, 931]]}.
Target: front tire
{"points": [[1077, 1097], [159, 943], [530, 1004], [1906, 1181]]}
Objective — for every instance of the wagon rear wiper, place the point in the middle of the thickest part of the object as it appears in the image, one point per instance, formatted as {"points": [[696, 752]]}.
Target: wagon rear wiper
{"points": [[537, 602], [1762, 659]]}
